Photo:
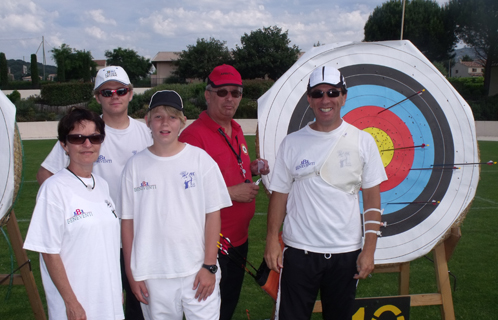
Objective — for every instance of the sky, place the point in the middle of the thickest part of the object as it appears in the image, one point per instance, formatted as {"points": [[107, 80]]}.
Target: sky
{"points": [[149, 27]]}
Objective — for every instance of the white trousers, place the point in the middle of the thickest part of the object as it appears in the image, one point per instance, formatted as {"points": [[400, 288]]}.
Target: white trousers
{"points": [[171, 298]]}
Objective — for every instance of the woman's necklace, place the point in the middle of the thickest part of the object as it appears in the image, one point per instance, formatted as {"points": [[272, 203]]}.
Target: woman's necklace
{"points": [[86, 186]]}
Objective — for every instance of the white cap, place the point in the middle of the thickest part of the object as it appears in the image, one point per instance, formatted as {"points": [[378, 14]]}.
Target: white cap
{"points": [[111, 73], [327, 75]]}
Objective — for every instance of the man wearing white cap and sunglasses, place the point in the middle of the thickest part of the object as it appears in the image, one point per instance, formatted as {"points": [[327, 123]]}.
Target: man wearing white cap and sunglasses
{"points": [[317, 175], [125, 137]]}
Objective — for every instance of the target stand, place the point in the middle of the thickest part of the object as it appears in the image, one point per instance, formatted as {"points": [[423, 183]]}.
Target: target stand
{"points": [[441, 253], [25, 277]]}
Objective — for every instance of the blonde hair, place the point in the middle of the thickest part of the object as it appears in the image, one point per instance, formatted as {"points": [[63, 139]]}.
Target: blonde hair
{"points": [[170, 111]]}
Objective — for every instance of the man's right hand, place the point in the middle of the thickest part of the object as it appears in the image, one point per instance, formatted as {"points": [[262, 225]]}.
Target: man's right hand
{"points": [[273, 255], [243, 192], [139, 289]]}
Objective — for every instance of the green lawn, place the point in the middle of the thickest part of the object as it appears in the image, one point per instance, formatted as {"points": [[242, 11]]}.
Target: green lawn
{"points": [[474, 262]]}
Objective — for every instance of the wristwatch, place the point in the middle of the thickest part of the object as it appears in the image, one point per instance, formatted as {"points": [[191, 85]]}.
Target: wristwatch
{"points": [[212, 268]]}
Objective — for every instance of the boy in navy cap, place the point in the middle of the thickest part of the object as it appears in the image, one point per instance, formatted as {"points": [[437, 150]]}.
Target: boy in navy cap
{"points": [[172, 193]]}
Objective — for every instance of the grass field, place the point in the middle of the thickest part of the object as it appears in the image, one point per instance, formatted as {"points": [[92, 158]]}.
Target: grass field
{"points": [[474, 262]]}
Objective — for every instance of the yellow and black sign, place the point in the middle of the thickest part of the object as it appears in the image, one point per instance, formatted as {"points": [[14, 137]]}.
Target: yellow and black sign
{"points": [[392, 308]]}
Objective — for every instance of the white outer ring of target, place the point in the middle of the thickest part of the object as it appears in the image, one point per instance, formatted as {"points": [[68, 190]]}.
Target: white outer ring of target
{"points": [[7, 131]]}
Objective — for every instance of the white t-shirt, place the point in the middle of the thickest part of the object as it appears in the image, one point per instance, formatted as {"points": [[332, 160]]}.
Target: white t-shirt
{"points": [[119, 145], [168, 199], [82, 228], [321, 218]]}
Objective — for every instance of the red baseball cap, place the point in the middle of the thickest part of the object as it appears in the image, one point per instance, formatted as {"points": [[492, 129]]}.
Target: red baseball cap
{"points": [[224, 75]]}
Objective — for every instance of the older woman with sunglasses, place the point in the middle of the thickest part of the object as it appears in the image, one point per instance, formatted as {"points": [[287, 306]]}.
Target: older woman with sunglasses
{"points": [[76, 230]]}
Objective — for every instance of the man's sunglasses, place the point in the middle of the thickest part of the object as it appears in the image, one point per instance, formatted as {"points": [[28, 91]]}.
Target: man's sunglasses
{"points": [[109, 92], [80, 139], [317, 94], [223, 93]]}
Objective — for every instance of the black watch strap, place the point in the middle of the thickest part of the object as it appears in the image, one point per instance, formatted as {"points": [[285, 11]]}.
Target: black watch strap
{"points": [[211, 267]]}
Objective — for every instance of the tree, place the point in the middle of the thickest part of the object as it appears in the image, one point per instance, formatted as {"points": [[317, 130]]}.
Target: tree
{"points": [[427, 25], [73, 64], [61, 57], [265, 52], [200, 59], [137, 67], [35, 79], [477, 26], [4, 70]]}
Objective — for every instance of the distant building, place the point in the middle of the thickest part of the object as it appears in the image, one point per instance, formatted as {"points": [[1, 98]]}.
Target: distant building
{"points": [[463, 69], [100, 64], [164, 62]]}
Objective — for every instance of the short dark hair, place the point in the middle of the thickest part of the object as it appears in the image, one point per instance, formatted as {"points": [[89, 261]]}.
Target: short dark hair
{"points": [[77, 115]]}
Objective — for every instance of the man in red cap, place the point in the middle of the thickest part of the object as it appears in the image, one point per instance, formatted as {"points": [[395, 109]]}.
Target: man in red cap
{"points": [[222, 138]]}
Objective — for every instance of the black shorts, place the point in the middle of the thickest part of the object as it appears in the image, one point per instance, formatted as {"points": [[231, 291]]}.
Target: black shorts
{"points": [[305, 273]]}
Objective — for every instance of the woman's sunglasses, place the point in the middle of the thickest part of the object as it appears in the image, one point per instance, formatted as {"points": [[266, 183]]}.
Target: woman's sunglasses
{"points": [[317, 94], [108, 92], [80, 139], [223, 93]]}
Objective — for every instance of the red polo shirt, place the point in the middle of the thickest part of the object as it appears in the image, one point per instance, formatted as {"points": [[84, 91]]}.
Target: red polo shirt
{"points": [[204, 134]]}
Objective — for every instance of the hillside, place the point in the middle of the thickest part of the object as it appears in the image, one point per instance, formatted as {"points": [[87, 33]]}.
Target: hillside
{"points": [[16, 68]]}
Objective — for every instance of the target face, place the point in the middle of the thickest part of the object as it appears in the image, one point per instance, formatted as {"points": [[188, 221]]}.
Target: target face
{"points": [[7, 130], [418, 122]]}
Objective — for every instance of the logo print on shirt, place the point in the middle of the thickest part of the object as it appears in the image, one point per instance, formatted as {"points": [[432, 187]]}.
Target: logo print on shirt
{"points": [[79, 214], [244, 149], [344, 159], [188, 179], [102, 159], [145, 186], [304, 164]]}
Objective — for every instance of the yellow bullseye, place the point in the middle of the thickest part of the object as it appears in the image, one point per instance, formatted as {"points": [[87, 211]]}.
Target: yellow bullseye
{"points": [[384, 142]]}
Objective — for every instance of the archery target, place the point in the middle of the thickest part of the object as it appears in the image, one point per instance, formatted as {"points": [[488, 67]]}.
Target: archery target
{"points": [[7, 170], [417, 120]]}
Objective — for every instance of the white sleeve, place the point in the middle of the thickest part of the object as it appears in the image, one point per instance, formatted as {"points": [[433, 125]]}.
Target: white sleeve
{"points": [[46, 229], [56, 159], [215, 188], [281, 179]]}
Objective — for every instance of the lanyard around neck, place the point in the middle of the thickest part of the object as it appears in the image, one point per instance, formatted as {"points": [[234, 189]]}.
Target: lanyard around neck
{"points": [[237, 155]]}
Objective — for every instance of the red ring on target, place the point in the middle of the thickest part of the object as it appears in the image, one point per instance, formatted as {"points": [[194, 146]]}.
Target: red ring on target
{"points": [[397, 135]]}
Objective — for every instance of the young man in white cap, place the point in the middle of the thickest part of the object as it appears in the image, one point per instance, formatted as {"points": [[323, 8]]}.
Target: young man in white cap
{"points": [[172, 194], [222, 138], [317, 175], [124, 138]]}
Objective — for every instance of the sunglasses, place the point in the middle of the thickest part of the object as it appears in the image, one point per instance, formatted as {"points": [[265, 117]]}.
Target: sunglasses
{"points": [[223, 93], [80, 139], [109, 92], [317, 94]]}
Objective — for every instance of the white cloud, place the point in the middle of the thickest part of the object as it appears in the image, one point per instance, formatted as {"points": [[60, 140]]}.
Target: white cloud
{"points": [[95, 32], [98, 16]]}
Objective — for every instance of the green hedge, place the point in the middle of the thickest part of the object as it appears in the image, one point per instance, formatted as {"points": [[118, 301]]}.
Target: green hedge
{"points": [[63, 94]]}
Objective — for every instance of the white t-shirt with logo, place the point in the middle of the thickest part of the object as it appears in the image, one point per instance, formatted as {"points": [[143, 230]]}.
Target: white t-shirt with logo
{"points": [[82, 227], [168, 199], [321, 218], [119, 145]]}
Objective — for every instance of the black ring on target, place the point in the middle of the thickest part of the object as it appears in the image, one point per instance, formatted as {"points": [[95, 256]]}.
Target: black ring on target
{"points": [[366, 74]]}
